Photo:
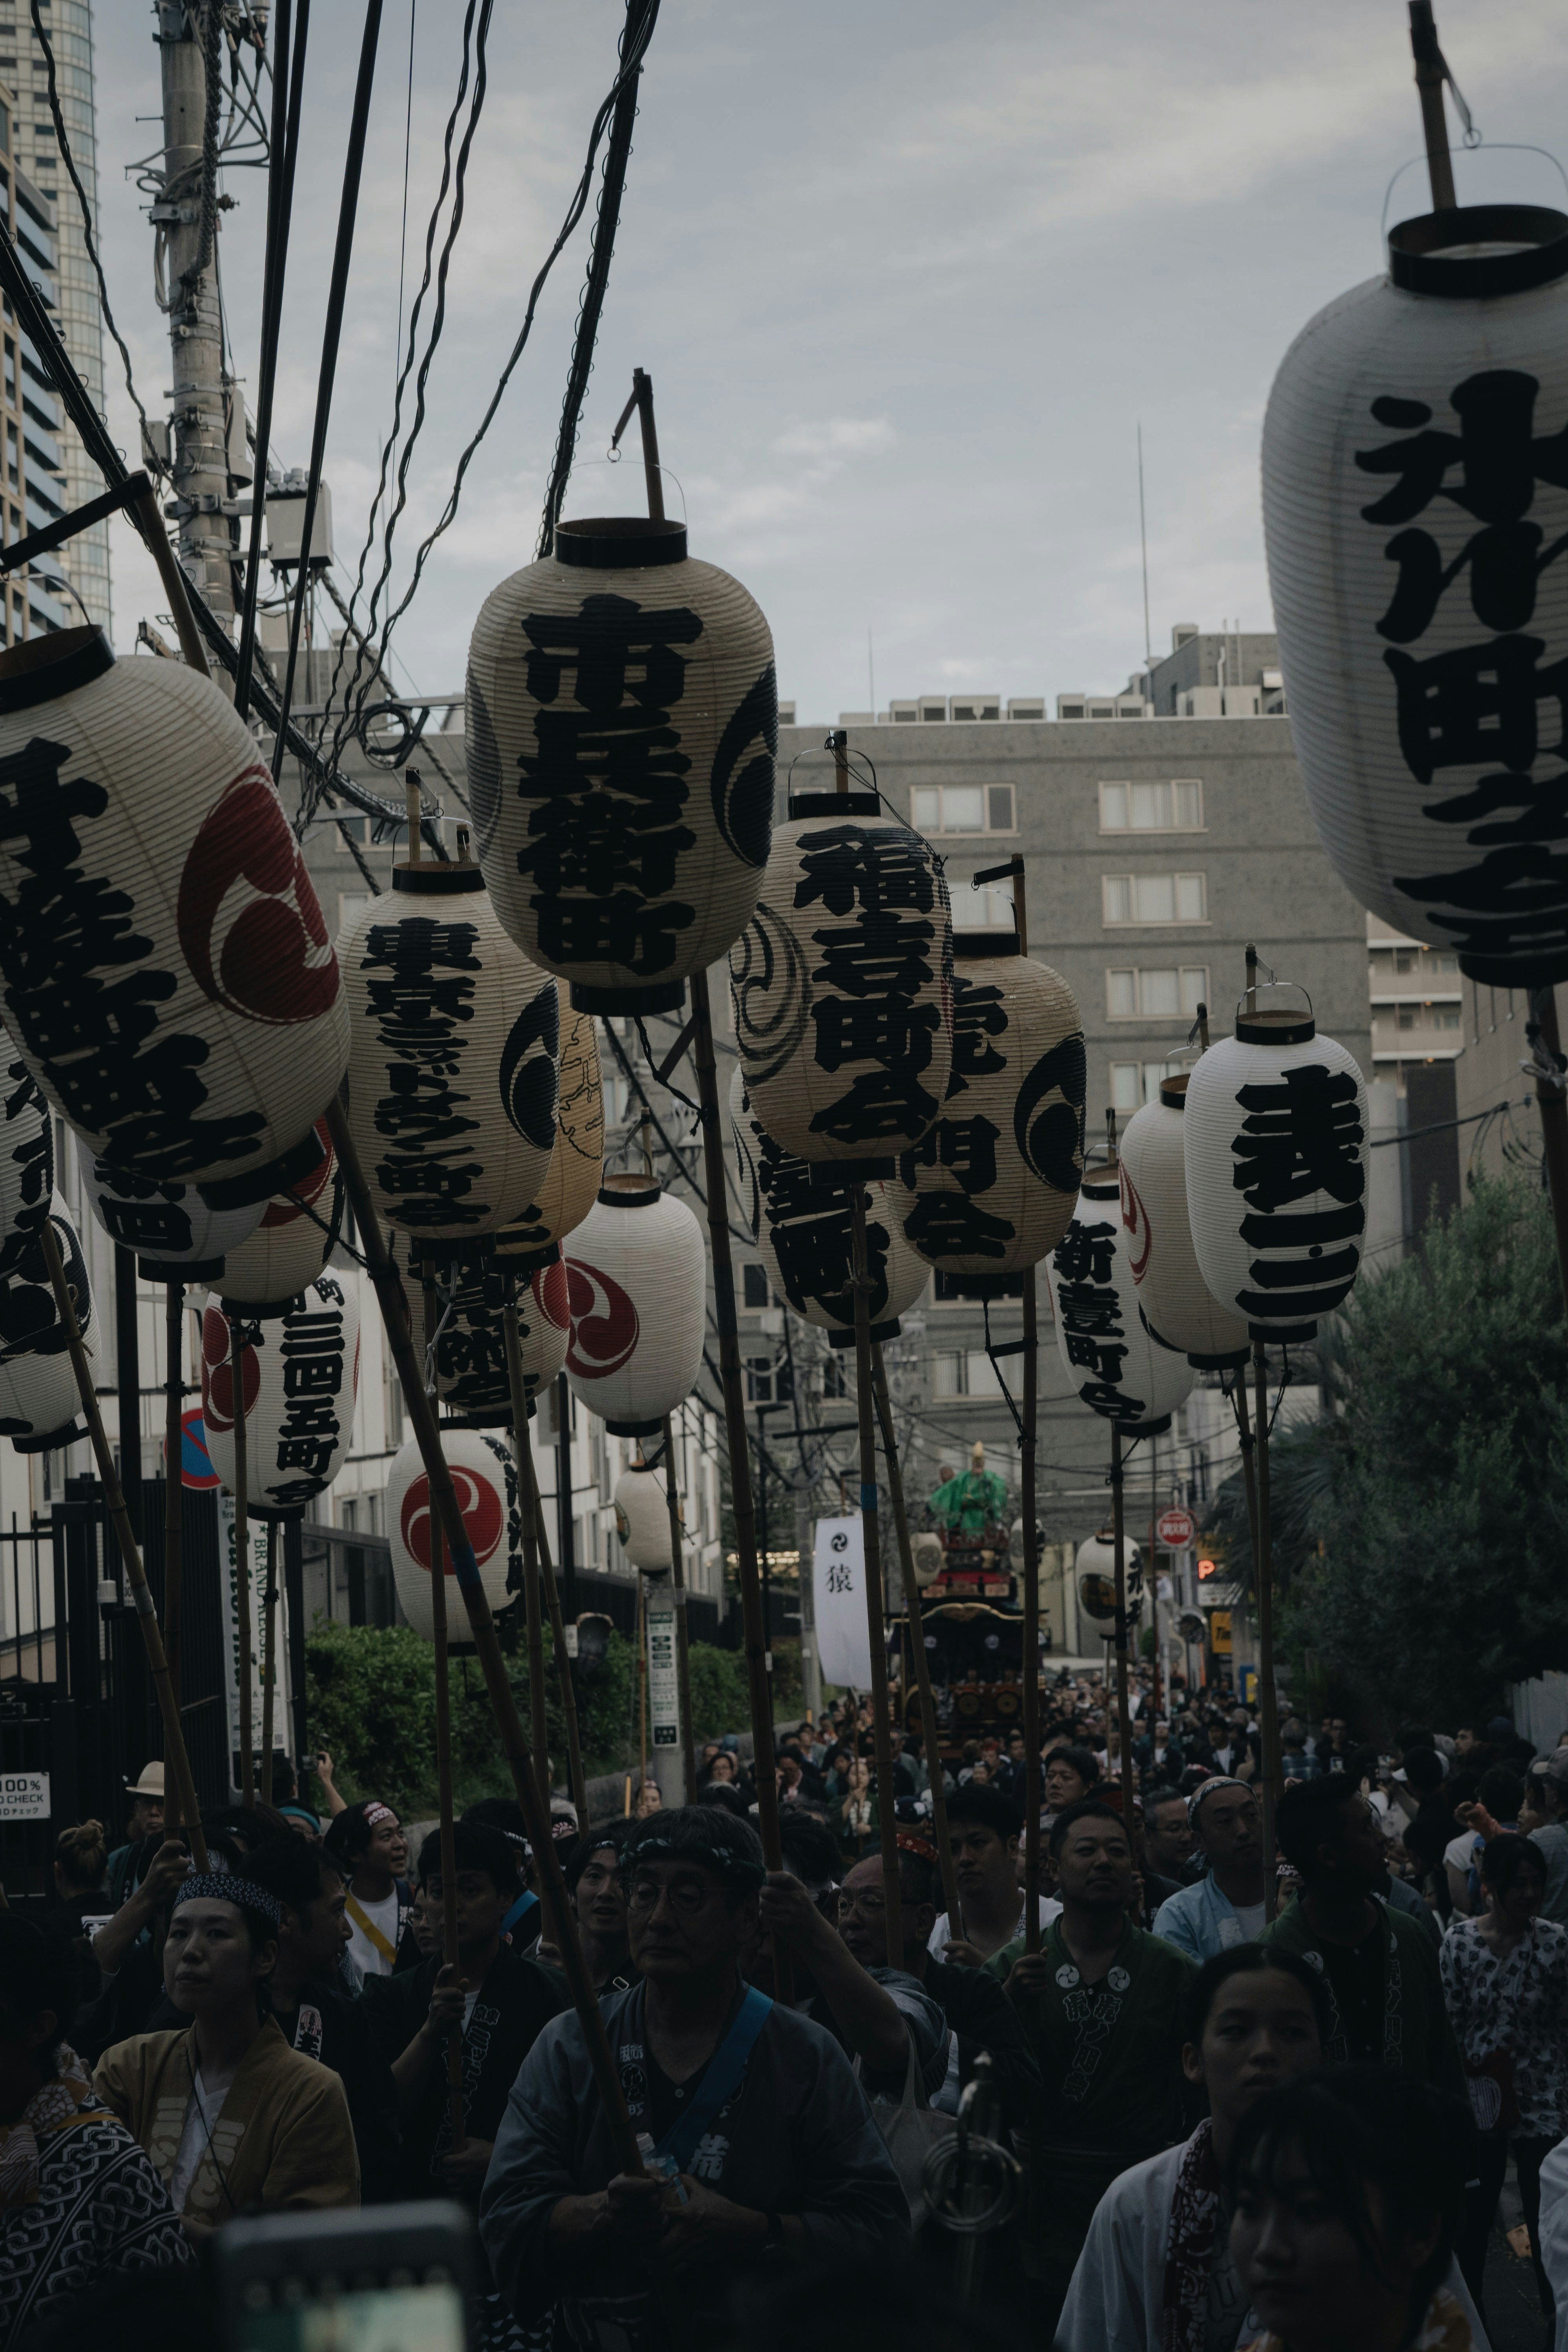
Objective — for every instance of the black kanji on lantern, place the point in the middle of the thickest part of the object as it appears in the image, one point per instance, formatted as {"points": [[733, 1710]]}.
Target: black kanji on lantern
{"points": [[874, 957], [313, 1349], [420, 1008], [1092, 1322], [1301, 1137]]}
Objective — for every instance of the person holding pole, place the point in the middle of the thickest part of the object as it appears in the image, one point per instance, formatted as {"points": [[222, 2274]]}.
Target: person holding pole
{"points": [[984, 1827]]}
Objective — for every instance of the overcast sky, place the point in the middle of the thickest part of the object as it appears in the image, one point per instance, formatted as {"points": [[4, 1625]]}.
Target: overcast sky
{"points": [[907, 279]]}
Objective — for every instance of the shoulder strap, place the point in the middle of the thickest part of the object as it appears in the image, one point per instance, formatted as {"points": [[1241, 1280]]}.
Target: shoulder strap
{"points": [[526, 1902], [369, 1931], [725, 2069]]}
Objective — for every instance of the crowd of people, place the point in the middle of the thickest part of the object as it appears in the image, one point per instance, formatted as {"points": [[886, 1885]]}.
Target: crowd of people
{"points": [[1240, 2110]]}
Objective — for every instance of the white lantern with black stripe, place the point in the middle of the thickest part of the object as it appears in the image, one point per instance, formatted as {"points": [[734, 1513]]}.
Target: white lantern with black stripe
{"points": [[176, 1236], [484, 1475], [804, 1233], [300, 1378], [1175, 1303], [27, 1159], [1275, 1135], [38, 1395], [298, 1230], [451, 1093], [638, 1284], [1114, 1365], [996, 1179], [842, 985], [471, 1377], [642, 1518], [165, 971], [1415, 504], [1095, 1569], [621, 723], [571, 1183]]}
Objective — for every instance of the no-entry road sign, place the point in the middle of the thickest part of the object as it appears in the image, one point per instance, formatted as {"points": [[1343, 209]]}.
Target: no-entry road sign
{"points": [[1176, 1528]]}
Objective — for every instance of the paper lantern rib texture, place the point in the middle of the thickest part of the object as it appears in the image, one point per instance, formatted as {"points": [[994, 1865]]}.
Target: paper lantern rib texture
{"points": [[298, 1230], [27, 1159], [804, 1233], [642, 1518], [484, 1474], [842, 985], [471, 1377], [166, 970], [453, 1033], [1177, 1305], [570, 1182], [300, 1373], [1115, 1366], [637, 1285], [38, 1397], [1411, 496], [622, 723], [177, 1236], [996, 1179], [1275, 1142]]}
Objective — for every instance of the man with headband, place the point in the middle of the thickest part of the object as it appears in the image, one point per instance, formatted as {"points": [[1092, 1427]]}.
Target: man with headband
{"points": [[759, 2140], [1225, 1908], [367, 1844]]}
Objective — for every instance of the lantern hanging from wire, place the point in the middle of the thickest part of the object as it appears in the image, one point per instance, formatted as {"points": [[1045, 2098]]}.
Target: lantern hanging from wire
{"points": [[622, 723], [1275, 1136], [842, 985], [996, 1179], [571, 1183], [298, 1231], [1112, 1363], [642, 1518], [638, 1286], [300, 1378], [38, 1394], [166, 970], [1177, 1305], [804, 1233], [27, 1159], [176, 1236], [1415, 502], [472, 1381], [485, 1477]]}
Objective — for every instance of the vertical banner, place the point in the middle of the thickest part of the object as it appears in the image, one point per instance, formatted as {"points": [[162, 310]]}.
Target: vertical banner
{"points": [[838, 1591], [283, 1694], [663, 1683]]}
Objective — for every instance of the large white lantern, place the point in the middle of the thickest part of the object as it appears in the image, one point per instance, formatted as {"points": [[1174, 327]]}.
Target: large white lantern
{"points": [[27, 1159], [842, 985], [621, 723], [996, 1179], [804, 1233], [298, 1232], [38, 1395], [1275, 1135], [637, 1283], [176, 1236], [1415, 504], [571, 1183], [642, 1518], [1175, 1303], [166, 974], [300, 1377], [1115, 1367], [451, 1093], [471, 1377], [485, 1477]]}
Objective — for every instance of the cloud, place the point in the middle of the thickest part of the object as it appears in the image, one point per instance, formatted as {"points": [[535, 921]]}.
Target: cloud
{"points": [[838, 436]]}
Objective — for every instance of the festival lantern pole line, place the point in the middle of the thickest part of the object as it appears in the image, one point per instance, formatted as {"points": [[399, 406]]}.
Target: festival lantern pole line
{"points": [[557, 1637], [269, 1659], [242, 1561], [642, 1685], [916, 1644], [871, 1568], [1118, 1525], [173, 1474], [682, 1651], [444, 1501], [177, 1761], [531, 1580], [445, 1825], [1027, 1452], [1263, 1569], [1552, 1105]]}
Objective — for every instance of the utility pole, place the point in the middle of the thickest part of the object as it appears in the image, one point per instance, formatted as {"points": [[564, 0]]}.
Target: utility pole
{"points": [[184, 220]]}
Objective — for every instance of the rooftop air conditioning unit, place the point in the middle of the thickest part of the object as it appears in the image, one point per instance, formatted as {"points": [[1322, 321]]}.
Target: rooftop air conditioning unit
{"points": [[1031, 707], [1069, 706], [786, 714], [933, 706], [977, 706], [903, 710]]}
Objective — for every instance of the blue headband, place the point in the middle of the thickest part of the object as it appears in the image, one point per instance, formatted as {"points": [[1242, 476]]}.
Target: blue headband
{"points": [[229, 1886]]}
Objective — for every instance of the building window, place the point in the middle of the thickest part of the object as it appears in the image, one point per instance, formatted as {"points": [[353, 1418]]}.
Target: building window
{"points": [[1133, 1084], [833, 1381], [767, 1383], [966, 1373], [1166, 992], [1173, 807], [963, 808], [754, 1285], [1154, 897]]}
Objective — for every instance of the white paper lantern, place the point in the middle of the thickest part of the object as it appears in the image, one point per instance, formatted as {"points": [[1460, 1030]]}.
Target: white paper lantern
{"points": [[642, 1518], [1175, 1303], [997, 1177], [637, 1283], [621, 723], [804, 1233], [38, 1395], [289, 1248], [1414, 503], [1095, 1569], [166, 974], [1275, 1150], [842, 985], [571, 1183], [27, 1158], [471, 1377], [484, 1475], [301, 1376], [176, 1236], [451, 1094], [1115, 1367], [928, 1557]]}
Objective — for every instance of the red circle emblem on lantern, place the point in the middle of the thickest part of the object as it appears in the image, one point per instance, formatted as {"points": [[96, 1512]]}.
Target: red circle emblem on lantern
{"points": [[284, 1208], [271, 959], [553, 1295], [484, 1516], [604, 1322], [217, 1372], [1135, 1218]]}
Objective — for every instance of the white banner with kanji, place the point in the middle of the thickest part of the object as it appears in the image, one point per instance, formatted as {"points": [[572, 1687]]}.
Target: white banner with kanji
{"points": [[838, 1583]]}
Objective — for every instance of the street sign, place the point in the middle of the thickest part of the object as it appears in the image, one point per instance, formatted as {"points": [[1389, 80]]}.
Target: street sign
{"points": [[24, 1797], [196, 1462], [1219, 1632], [1176, 1528]]}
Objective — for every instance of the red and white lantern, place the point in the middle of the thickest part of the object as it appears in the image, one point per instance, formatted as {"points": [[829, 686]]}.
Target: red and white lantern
{"points": [[300, 1377], [291, 1245], [38, 1395], [1176, 1305], [485, 1477], [637, 1285], [176, 1236], [471, 1377]]}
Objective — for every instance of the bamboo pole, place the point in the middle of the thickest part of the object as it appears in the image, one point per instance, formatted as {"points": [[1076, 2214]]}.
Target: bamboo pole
{"points": [[173, 1476], [875, 1614], [642, 1686], [177, 1762], [682, 1650], [1269, 1712], [523, 1453], [242, 1563], [1032, 1792], [443, 1503], [268, 1660], [1123, 1704], [916, 1643], [1429, 89], [578, 1783], [446, 1827]]}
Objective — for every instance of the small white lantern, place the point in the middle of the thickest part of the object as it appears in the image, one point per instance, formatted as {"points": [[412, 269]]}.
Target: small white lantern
{"points": [[176, 1236], [38, 1395], [1115, 1367], [637, 1282], [485, 1477], [1275, 1136], [299, 1229], [27, 1159], [1175, 1303], [642, 1518], [1095, 1569], [300, 1377]]}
